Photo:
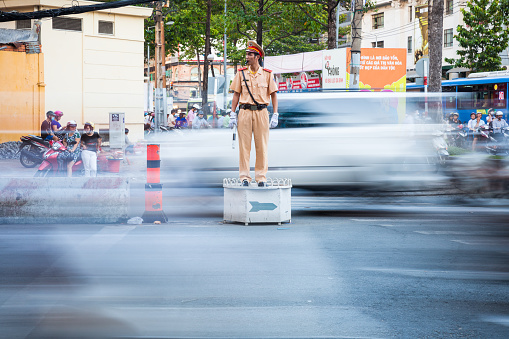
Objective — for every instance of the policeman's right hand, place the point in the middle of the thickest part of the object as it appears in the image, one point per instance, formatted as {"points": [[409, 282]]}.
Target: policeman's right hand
{"points": [[233, 119]]}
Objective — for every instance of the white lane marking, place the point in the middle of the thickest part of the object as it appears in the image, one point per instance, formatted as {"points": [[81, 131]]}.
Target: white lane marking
{"points": [[497, 319], [444, 274], [443, 233], [463, 242]]}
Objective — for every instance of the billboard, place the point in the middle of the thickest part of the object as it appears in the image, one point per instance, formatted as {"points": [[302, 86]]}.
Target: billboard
{"points": [[299, 82], [334, 69], [381, 69]]}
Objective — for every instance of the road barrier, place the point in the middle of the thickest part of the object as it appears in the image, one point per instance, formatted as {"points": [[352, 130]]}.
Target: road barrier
{"points": [[64, 200], [153, 187]]}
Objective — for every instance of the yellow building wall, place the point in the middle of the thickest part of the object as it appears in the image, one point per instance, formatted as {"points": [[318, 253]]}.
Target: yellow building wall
{"points": [[21, 94]]}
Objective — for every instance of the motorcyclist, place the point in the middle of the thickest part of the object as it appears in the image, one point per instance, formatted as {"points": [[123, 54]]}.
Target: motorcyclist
{"points": [[71, 140], [55, 124], [455, 120], [474, 125], [200, 122], [191, 115], [46, 131], [498, 124]]}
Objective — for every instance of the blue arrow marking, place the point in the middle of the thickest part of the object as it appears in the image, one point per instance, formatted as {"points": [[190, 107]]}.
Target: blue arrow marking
{"points": [[262, 206]]}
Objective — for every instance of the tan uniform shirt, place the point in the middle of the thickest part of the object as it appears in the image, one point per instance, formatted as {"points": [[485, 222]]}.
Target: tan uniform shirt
{"points": [[261, 84]]}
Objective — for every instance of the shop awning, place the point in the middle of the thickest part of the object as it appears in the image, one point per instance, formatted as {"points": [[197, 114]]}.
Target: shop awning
{"points": [[412, 75], [458, 70], [294, 63]]}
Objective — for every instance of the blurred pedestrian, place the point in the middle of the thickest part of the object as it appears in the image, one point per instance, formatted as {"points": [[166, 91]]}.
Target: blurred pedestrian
{"points": [[91, 144], [129, 147]]}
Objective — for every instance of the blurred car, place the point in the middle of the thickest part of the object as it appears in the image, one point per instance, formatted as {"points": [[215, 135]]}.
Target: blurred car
{"points": [[324, 141]]}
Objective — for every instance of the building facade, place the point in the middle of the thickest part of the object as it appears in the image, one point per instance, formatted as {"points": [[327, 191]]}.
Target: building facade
{"points": [[184, 78], [404, 24], [93, 61]]}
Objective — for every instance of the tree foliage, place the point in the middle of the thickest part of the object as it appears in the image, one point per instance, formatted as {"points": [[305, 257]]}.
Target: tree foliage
{"points": [[483, 37]]}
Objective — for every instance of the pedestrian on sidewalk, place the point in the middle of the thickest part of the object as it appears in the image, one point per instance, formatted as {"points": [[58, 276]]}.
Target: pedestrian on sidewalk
{"points": [[91, 143]]}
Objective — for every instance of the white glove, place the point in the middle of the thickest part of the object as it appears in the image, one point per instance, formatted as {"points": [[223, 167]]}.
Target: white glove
{"points": [[274, 120], [233, 120]]}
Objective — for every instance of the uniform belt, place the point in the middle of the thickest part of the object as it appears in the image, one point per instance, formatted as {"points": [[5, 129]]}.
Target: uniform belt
{"points": [[252, 107]]}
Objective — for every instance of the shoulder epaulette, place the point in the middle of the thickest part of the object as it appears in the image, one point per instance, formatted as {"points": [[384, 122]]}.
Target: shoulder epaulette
{"points": [[242, 69], [267, 70]]}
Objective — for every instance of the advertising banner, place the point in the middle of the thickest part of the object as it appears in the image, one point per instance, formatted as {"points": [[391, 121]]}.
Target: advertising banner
{"points": [[334, 68], [303, 81], [381, 69]]}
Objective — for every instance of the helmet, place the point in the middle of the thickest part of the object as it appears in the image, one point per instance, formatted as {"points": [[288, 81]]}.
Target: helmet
{"points": [[196, 106], [499, 113], [50, 114], [72, 123], [455, 113], [58, 113], [127, 130], [89, 123]]}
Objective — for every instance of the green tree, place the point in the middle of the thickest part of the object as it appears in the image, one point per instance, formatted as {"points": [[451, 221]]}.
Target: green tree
{"points": [[483, 37], [271, 23]]}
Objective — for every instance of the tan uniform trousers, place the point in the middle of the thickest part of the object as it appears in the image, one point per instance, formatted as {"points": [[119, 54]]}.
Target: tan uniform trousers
{"points": [[253, 123]]}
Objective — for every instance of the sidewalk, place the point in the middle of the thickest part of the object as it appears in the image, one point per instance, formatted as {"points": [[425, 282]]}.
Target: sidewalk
{"points": [[136, 167]]}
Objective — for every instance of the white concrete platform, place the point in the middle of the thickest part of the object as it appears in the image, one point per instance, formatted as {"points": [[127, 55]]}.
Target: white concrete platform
{"points": [[253, 204]]}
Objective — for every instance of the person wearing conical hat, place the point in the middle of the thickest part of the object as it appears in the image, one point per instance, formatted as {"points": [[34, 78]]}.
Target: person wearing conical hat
{"points": [[254, 87]]}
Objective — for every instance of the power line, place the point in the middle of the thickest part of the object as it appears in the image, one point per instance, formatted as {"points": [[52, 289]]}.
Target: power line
{"points": [[13, 16]]}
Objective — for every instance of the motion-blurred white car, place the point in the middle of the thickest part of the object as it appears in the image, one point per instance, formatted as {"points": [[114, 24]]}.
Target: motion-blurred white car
{"points": [[324, 141]]}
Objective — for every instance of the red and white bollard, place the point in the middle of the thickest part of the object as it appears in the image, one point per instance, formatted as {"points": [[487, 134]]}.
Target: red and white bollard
{"points": [[153, 188]]}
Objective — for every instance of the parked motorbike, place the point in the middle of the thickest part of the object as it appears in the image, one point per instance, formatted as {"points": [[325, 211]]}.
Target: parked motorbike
{"points": [[483, 138], [441, 153], [33, 147], [31, 150], [49, 165], [457, 136], [498, 144]]}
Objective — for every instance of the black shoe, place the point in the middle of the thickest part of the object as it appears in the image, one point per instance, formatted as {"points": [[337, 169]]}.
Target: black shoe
{"points": [[262, 184], [245, 183]]}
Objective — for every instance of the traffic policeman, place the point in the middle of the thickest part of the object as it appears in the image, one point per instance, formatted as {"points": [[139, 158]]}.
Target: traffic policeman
{"points": [[252, 87]]}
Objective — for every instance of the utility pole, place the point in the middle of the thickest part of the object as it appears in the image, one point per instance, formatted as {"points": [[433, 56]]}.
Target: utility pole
{"points": [[355, 57], [206, 61], [159, 67], [224, 63], [435, 39]]}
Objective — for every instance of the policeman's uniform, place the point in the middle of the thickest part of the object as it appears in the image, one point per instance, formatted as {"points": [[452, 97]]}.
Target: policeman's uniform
{"points": [[253, 119]]}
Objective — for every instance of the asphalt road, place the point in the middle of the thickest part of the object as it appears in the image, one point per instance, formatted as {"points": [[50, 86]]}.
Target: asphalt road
{"points": [[393, 267]]}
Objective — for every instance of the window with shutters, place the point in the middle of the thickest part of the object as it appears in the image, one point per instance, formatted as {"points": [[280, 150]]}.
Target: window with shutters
{"points": [[106, 27], [378, 21], [67, 24], [24, 24], [448, 37]]}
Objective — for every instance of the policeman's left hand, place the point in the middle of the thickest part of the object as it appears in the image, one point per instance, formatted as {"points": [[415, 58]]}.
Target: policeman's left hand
{"points": [[274, 120]]}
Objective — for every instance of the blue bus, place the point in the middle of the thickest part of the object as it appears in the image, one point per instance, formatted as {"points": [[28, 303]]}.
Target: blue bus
{"points": [[475, 94]]}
